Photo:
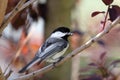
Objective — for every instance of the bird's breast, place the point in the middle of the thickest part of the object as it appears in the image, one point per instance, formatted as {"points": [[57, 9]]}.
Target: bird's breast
{"points": [[56, 57]]}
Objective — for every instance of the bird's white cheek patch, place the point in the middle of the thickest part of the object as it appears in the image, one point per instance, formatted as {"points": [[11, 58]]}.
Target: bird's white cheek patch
{"points": [[58, 34]]}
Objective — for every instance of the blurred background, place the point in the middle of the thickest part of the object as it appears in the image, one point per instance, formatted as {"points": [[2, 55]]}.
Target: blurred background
{"points": [[29, 29]]}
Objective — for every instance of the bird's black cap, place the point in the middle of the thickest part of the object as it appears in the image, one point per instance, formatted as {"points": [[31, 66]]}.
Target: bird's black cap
{"points": [[62, 29]]}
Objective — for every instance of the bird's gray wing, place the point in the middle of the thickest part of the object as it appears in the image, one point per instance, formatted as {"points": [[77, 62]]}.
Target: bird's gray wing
{"points": [[51, 47]]}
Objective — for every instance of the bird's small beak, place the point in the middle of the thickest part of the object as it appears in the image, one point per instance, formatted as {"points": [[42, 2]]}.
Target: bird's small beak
{"points": [[70, 33]]}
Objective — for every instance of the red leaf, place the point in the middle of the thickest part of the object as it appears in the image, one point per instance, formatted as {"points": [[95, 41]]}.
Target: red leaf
{"points": [[115, 62], [107, 2], [92, 64], [114, 12], [102, 56], [96, 13]]}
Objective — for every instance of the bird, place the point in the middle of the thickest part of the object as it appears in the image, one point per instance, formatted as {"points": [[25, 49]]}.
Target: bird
{"points": [[52, 49]]}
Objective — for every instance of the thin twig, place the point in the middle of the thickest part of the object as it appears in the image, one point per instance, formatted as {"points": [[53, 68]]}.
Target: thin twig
{"points": [[20, 9], [8, 66], [22, 46], [11, 15], [8, 74], [7, 17], [18, 52], [105, 18], [27, 4], [72, 54]]}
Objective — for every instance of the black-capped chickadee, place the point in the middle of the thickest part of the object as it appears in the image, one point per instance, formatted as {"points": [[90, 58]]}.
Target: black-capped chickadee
{"points": [[53, 48]]}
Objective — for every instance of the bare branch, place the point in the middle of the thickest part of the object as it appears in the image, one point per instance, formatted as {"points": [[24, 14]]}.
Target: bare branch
{"points": [[8, 74], [72, 54], [1, 75], [27, 4], [35, 73], [18, 52], [20, 9], [20, 6], [11, 15]]}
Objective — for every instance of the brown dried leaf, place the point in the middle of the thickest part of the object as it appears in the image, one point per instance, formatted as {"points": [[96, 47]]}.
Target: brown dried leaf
{"points": [[96, 13], [114, 12], [107, 2]]}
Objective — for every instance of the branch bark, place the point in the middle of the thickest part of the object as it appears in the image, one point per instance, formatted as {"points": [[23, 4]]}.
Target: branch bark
{"points": [[27, 4], [1, 75], [11, 15], [20, 6], [72, 54], [3, 6], [20, 9]]}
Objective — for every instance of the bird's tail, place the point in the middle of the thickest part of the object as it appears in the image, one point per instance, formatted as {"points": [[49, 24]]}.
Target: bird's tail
{"points": [[30, 64]]}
